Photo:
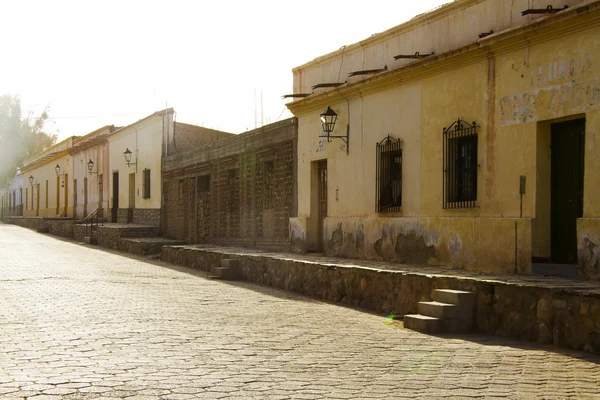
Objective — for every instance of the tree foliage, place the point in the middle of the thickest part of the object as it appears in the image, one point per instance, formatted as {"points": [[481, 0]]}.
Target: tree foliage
{"points": [[21, 136]]}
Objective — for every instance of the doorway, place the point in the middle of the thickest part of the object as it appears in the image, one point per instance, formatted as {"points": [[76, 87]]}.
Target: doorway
{"points": [[322, 209], [115, 201], [65, 213], [131, 197], [85, 197], [567, 165], [75, 198]]}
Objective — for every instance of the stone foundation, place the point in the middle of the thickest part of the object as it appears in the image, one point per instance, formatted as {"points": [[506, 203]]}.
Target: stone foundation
{"points": [[535, 311], [62, 227], [492, 245], [124, 216], [110, 236], [146, 216], [37, 223]]}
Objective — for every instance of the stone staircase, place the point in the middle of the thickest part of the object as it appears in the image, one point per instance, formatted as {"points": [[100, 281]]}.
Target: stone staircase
{"points": [[450, 311], [228, 269]]}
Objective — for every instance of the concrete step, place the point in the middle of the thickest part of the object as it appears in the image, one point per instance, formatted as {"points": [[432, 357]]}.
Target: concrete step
{"points": [[437, 309], [423, 323], [224, 273], [90, 240], [450, 296]]}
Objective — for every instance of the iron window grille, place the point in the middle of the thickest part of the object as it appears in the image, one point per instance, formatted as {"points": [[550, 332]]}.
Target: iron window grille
{"points": [[460, 165], [389, 175], [146, 184]]}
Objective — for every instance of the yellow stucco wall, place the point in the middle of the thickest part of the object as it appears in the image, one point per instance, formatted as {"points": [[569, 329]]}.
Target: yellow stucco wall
{"points": [[99, 156], [46, 172]]}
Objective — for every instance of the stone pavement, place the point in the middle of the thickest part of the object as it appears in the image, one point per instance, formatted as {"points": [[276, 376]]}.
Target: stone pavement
{"points": [[77, 322]]}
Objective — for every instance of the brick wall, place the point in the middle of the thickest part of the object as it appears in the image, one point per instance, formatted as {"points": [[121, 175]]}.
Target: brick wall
{"points": [[187, 137], [236, 191]]}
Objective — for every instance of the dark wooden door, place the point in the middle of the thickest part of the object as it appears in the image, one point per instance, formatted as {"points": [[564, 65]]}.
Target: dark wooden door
{"points": [[567, 149], [322, 201], [115, 202], [75, 198]]}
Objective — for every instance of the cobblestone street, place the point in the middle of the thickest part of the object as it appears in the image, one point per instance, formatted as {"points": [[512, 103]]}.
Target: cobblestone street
{"points": [[77, 322]]}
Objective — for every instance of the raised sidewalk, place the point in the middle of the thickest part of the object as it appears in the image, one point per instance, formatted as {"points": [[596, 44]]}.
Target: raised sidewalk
{"points": [[560, 311]]}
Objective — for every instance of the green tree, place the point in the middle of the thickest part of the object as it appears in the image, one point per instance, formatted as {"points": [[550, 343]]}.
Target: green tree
{"points": [[21, 136]]}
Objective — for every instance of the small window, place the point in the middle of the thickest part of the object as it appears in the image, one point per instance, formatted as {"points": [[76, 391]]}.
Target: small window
{"points": [[146, 184], [203, 183], [268, 178], [389, 175], [460, 165]]}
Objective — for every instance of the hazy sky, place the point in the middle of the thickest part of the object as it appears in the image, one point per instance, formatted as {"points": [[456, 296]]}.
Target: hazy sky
{"points": [[114, 62]]}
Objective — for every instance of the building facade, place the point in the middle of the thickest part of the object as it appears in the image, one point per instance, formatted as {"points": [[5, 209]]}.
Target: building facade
{"points": [[135, 185], [90, 155], [450, 119], [47, 180], [238, 190]]}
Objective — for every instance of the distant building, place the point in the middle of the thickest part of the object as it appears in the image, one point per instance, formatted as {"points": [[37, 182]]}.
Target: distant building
{"points": [[238, 190]]}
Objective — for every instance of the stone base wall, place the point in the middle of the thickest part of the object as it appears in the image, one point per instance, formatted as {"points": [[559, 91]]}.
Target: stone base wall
{"points": [[37, 223], [110, 237], [124, 216], [79, 232], [565, 318], [61, 227], [496, 245], [260, 243], [146, 216], [588, 248]]}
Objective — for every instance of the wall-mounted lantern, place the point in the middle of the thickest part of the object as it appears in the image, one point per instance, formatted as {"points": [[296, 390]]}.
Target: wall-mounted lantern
{"points": [[328, 120], [90, 167], [31, 180], [127, 153], [57, 169]]}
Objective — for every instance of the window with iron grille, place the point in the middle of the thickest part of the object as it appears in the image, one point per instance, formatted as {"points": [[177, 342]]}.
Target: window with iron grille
{"points": [[389, 175], [460, 165], [146, 184]]}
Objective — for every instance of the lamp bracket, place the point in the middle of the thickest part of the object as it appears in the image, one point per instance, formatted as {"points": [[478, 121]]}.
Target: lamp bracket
{"points": [[345, 139]]}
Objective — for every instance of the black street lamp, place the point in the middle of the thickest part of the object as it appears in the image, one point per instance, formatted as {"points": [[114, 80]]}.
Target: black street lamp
{"points": [[127, 153], [328, 120], [90, 166]]}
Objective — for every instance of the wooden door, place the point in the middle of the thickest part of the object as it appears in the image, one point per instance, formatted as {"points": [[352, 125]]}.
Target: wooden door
{"points": [[115, 201], [85, 196], [74, 199], [322, 167], [567, 149], [66, 195]]}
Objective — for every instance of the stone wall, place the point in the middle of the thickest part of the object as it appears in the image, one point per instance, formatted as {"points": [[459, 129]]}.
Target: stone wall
{"points": [[63, 227], [496, 245], [146, 216], [124, 216], [537, 312], [236, 191], [37, 223]]}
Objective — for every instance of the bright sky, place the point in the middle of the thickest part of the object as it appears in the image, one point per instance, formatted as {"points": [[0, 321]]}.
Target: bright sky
{"points": [[114, 62]]}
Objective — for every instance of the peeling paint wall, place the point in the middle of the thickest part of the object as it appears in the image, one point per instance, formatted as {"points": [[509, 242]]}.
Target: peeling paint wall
{"points": [[481, 244]]}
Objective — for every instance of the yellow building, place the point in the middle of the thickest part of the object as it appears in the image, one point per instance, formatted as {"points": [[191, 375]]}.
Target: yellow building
{"points": [[91, 172], [450, 119], [47, 185]]}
